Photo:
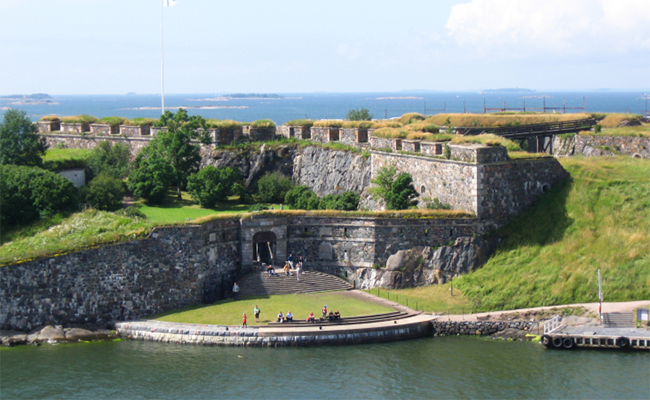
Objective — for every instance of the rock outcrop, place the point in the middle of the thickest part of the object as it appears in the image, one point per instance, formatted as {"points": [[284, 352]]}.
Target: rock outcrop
{"points": [[426, 266]]}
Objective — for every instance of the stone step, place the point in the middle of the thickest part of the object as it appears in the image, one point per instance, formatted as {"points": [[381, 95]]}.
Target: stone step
{"points": [[260, 283], [618, 320]]}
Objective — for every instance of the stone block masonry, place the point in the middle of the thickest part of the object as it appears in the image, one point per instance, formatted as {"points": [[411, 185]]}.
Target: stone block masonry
{"points": [[594, 146], [174, 267]]}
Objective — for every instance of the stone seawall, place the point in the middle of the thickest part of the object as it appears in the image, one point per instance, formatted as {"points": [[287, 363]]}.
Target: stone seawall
{"points": [[216, 335], [479, 328], [174, 267], [594, 146]]}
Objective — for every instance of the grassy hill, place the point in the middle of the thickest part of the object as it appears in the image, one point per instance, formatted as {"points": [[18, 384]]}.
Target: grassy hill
{"points": [[551, 253]]}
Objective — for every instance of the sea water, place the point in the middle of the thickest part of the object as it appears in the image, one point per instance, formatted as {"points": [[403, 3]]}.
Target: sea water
{"points": [[325, 105], [436, 367]]}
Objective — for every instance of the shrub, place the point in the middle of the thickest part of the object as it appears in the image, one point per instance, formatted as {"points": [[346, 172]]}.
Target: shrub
{"points": [[212, 185], [104, 193], [257, 207], [302, 198], [273, 187], [362, 114], [346, 201], [132, 212], [110, 159], [397, 191], [598, 128], [435, 204], [244, 194], [26, 193]]}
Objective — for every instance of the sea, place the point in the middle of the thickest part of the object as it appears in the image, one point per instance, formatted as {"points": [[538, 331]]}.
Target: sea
{"points": [[429, 368], [288, 106]]}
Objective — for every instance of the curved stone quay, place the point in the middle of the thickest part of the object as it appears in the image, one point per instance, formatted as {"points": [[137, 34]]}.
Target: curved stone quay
{"points": [[413, 327]]}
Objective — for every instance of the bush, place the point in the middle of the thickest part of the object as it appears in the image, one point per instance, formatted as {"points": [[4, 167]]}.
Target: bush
{"points": [[302, 198], [273, 187], [598, 128], [435, 204], [212, 185], [132, 212], [397, 191], [362, 114], [257, 207], [104, 193], [26, 193], [110, 159]]}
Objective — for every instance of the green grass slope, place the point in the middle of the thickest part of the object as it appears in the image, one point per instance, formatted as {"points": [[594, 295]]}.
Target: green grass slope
{"points": [[551, 253]]}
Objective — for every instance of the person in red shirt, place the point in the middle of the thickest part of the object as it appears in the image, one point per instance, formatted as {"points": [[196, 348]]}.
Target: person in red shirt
{"points": [[324, 311], [243, 325], [311, 317]]}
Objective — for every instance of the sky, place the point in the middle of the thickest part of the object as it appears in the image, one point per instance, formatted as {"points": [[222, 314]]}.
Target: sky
{"points": [[304, 46]]}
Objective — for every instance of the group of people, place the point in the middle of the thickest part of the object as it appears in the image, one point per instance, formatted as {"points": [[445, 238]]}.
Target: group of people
{"points": [[288, 267], [285, 318], [330, 316]]}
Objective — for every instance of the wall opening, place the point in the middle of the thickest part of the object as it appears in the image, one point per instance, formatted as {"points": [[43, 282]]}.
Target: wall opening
{"points": [[264, 247]]}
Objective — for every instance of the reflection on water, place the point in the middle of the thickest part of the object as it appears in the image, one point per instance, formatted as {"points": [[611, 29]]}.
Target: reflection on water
{"points": [[450, 367]]}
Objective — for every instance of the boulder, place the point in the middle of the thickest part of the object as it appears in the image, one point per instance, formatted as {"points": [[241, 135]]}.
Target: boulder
{"points": [[47, 334], [13, 338]]}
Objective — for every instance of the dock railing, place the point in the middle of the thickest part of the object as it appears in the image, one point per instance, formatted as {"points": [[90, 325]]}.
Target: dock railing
{"points": [[552, 324]]}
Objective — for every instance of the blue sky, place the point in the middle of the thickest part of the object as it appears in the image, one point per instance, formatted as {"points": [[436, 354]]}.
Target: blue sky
{"points": [[263, 46]]}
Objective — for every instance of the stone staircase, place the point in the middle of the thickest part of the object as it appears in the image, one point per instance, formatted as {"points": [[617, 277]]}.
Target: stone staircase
{"points": [[618, 320], [260, 283]]}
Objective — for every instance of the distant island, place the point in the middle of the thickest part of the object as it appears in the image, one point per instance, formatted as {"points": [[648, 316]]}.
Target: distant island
{"points": [[508, 90], [130, 93], [35, 96], [253, 96]]}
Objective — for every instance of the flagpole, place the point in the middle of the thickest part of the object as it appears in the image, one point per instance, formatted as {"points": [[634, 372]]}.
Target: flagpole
{"points": [[162, 60]]}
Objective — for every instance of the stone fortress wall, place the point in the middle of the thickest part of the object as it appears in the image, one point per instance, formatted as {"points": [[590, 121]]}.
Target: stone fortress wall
{"points": [[187, 265], [197, 264]]}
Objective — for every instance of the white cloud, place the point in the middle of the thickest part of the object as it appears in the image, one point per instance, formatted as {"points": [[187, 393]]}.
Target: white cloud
{"points": [[553, 26]]}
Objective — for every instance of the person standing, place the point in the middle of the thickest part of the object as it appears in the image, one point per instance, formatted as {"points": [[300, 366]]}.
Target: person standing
{"points": [[301, 261], [290, 260], [235, 291], [324, 310], [243, 325], [298, 268], [256, 311]]}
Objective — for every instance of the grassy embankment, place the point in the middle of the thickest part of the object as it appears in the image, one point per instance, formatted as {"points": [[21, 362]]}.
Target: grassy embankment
{"points": [[229, 312], [551, 253]]}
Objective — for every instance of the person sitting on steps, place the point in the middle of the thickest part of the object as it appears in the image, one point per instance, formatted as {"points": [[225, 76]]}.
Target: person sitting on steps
{"points": [[289, 317], [280, 317], [286, 269], [337, 315], [270, 270], [311, 318]]}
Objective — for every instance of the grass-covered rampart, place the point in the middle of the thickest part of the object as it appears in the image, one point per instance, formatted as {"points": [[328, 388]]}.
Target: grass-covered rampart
{"points": [[551, 253]]}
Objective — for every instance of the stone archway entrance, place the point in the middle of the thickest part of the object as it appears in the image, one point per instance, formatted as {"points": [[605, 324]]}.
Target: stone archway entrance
{"points": [[264, 247]]}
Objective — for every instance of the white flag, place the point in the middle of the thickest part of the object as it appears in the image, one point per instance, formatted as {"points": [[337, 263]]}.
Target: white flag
{"points": [[169, 3]]}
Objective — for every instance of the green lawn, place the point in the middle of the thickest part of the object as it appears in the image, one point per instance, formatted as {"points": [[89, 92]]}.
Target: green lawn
{"points": [[434, 298], [229, 312], [66, 154], [175, 210]]}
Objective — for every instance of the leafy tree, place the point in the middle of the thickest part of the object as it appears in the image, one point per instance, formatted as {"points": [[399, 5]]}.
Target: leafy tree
{"points": [[168, 160], [348, 201], [273, 187], [152, 173], [104, 193], [211, 185], [362, 114], [110, 159], [302, 197], [396, 190], [19, 142], [26, 193]]}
